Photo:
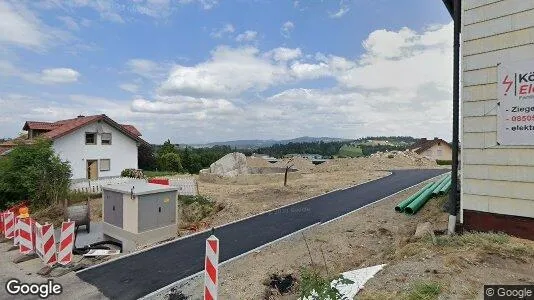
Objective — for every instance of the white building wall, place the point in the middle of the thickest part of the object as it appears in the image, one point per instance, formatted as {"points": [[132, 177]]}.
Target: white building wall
{"points": [[122, 152], [495, 179]]}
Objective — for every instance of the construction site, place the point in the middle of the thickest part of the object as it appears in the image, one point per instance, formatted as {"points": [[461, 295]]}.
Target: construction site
{"points": [[301, 166]]}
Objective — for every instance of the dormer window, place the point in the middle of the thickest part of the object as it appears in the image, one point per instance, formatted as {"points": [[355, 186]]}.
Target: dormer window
{"points": [[90, 138], [106, 138]]}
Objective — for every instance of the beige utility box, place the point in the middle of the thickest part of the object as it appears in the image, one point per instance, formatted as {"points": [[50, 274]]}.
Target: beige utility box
{"points": [[139, 214]]}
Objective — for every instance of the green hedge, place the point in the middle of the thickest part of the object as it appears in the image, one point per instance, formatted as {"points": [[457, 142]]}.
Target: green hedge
{"points": [[443, 162]]}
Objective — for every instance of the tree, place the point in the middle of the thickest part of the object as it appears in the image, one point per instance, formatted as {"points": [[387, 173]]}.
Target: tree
{"points": [[145, 157], [170, 162], [289, 165], [167, 147], [35, 173]]}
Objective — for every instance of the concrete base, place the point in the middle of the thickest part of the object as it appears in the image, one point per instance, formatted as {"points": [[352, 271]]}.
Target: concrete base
{"points": [[4, 240], [132, 241], [13, 248]]}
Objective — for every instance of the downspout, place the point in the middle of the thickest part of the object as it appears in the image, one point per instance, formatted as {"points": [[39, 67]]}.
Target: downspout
{"points": [[453, 195]]}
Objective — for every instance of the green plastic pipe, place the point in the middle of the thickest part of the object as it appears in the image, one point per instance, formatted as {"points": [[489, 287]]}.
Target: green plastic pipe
{"points": [[402, 205], [445, 188], [441, 183], [418, 202], [442, 189]]}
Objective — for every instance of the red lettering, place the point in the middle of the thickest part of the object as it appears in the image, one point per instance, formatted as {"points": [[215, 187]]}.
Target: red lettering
{"points": [[523, 90]]}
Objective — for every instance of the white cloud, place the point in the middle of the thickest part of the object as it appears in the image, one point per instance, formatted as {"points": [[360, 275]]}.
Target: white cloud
{"points": [[247, 36], [144, 67], [226, 29], [21, 27], [129, 87], [343, 10], [59, 75], [229, 72], [205, 4], [46, 76], [154, 8], [69, 22], [284, 54], [287, 28]]}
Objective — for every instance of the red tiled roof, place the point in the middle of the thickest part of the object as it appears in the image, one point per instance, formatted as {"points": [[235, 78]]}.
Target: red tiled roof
{"points": [[39, 125], [4, 150], [62, 127], [131, 129], [428, 144]]}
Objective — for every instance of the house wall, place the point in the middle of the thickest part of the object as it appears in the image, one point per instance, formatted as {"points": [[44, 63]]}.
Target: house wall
{"points": [[434, 153], [496, 180], [122, 152]]}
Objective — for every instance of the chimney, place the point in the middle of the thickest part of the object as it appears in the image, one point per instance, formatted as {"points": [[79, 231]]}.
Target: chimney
{"points": [[81, 116], [435, 139]]}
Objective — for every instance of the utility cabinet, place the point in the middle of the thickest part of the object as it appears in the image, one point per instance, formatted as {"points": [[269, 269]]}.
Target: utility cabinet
{"points": [[140, 213]]}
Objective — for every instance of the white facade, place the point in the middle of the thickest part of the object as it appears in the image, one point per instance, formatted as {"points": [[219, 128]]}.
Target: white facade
{"points": [[495, 179], [122, 153]]}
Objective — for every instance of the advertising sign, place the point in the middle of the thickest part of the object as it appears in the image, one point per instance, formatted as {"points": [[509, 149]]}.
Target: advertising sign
{"points": [[515, 116]]}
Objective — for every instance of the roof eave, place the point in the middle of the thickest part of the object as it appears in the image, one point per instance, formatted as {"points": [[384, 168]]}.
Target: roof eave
{"points": [[450, 7]]}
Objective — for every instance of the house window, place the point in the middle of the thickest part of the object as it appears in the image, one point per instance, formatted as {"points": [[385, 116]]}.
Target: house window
{"points": [[106, 138], [440, 152], [90, 138], [104, 165]]}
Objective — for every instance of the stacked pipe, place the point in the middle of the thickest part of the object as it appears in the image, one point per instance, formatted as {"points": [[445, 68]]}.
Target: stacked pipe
{"points": [[413, 204]]}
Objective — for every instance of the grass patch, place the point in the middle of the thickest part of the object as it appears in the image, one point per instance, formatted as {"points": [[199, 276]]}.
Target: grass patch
{"points": [[423, 290], [197, 208], [77, 197], [490, 243], [154, 174], [350, 151]]}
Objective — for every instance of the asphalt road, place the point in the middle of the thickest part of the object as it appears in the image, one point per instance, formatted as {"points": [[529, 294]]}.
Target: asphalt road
{"points": [[138, 275]]}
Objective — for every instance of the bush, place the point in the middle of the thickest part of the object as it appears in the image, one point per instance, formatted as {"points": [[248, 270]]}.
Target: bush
{"points": [[170, 162], [133, 173], [197, 208], [35, 173], [443, 162]]}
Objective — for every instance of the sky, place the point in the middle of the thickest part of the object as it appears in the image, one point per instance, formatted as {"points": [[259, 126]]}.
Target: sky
{"points": [[197, 71]]}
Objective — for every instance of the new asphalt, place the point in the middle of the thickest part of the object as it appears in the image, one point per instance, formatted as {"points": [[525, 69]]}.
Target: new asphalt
{"points": [[137, 275]]}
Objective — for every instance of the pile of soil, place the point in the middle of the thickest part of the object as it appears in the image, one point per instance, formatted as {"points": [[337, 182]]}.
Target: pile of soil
{"points": [[379, 161], [299, 163], [257, 162]]}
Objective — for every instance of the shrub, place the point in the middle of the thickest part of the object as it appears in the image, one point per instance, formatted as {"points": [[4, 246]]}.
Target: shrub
{"points": [[35, 173], [133, 173]]}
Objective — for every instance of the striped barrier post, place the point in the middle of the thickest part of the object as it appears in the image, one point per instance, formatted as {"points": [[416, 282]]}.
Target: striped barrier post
{"points": [[38, 240], [66, 243], [1, 222], [16, 232], [26, 239], [211, 269], [9, 224], [49, 245]]}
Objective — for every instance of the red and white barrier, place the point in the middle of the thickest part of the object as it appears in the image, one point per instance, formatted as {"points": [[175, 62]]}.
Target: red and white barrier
{"points": [[66, 243], [211, 269], [9, 224], [38, 239], [1, 222], [16, 232], [26, 238], [48, 245]]}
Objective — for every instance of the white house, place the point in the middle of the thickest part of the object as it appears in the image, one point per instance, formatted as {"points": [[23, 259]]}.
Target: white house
{"points": [[96, 146]]}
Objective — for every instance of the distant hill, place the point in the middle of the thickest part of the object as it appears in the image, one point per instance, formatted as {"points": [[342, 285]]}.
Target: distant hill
{"points": [[252, 144]]}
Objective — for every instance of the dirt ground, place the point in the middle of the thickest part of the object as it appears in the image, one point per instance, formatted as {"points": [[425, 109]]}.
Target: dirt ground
{"points": [[459, 266], [248, 195]]}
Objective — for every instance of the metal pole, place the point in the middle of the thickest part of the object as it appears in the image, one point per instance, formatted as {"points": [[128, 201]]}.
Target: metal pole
{"points": [[453, 195]]}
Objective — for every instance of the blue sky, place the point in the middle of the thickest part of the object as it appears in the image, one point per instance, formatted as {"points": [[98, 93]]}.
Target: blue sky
{"points": [[207, 70]]}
